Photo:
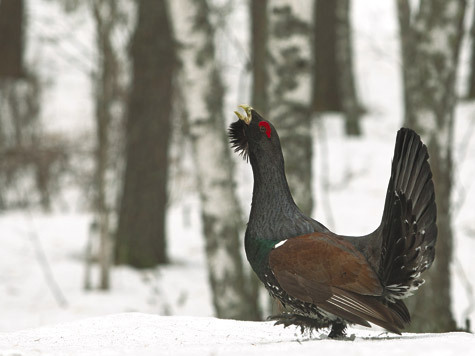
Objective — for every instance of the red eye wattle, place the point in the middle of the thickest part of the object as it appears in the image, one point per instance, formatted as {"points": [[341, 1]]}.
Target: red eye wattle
{"points": [[266, 126]]}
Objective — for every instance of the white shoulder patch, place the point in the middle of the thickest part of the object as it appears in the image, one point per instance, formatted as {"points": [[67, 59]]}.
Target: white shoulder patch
{"points": [[280, 243]]}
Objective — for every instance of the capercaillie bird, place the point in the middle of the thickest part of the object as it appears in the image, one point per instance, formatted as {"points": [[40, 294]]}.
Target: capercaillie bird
{"points": [[325, 279]]}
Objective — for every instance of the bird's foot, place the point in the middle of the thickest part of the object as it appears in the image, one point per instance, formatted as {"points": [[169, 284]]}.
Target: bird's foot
{"points": [[305, 323], [338, 331]]}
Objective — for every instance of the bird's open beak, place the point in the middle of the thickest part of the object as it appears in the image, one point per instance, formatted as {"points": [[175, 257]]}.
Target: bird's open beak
{"points": [[247, 117]]}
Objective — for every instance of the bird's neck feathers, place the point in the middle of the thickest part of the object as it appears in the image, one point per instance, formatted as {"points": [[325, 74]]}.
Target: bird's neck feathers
{"points": [[274, 215], [273, 211]]}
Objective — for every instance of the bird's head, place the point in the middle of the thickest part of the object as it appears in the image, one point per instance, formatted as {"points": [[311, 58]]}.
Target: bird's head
{"points": [[252, 136]]}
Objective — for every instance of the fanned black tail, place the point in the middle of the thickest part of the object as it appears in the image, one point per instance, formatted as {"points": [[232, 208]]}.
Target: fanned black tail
{"points": [[408, 229]]}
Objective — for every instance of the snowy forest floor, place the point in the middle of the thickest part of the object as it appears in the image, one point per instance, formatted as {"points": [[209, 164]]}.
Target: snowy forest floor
{"points": [[145, 334], [349, 173]]}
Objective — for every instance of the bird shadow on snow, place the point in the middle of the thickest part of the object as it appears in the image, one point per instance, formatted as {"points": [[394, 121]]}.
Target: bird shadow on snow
{"points": [[411, 336], [384, 336]]}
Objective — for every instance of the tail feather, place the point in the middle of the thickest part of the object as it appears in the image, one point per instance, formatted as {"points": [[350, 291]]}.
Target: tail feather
{"points": [[408, 229], [400, 309]]}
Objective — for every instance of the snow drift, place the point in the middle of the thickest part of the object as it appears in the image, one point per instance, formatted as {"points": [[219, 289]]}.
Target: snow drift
{"points": [[147, 334]]}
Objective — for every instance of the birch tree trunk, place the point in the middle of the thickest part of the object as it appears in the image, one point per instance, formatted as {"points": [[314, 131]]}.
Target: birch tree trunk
{"points": [[141, 232], [431, 42], [233, 292], [290, 91], [105, 13]]}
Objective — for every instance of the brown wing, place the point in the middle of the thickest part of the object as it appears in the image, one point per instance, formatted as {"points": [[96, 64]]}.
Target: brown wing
{"points": [[329, 272]]}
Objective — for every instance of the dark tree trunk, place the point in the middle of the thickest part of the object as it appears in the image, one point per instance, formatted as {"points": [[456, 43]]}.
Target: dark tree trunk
{"points": [[471, 79], [326, 95], [408, 48], [430, 51], [334, 86], [141, 230], [23, 153], [11, 38], [259, 55], [344, 60]]}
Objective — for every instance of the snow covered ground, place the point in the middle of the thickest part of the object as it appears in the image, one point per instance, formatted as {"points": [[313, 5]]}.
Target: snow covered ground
{"points": [[145, 334], [176, 298]]}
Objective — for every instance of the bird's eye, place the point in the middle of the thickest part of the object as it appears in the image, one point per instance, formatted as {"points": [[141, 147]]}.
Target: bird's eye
{"points": [[265, 127]]}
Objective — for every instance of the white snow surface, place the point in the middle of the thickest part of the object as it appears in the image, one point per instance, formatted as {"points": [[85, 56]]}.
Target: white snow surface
{"points": [[146, 334], [176, 297]]}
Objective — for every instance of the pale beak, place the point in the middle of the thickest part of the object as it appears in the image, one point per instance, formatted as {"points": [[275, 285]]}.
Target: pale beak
{"points": [[246, 118]]}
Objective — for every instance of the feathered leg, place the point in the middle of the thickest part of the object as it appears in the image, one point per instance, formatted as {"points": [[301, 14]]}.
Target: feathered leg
{"points": [[338, 330], [305, 323]]}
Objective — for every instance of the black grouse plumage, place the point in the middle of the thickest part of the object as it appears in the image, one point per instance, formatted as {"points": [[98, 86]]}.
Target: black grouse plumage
{"points": [[408, 230], [327, 279]]}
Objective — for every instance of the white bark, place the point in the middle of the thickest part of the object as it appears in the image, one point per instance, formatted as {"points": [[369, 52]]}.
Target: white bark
{"points": [[290, 90], [104, 21], [430, 49], [431, 42], [203, 91], [109, 18]]}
